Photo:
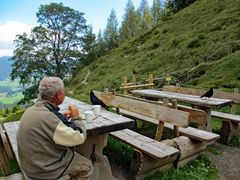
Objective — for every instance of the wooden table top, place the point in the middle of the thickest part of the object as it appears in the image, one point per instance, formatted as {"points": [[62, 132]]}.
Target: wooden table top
{"points": [[104, 123], [194, 100]]}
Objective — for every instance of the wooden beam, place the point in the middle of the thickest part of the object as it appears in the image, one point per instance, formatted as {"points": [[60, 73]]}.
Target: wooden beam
{"points": [[198, 92], [176, 128], [160, 127], [136, 86], [165, 114]]}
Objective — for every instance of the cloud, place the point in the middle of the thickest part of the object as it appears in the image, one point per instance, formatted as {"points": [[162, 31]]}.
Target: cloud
{"points": [[8, 32]]}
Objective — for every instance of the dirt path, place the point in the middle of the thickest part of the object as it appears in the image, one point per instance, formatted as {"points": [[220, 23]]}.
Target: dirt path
{"points": [[227, 161]]}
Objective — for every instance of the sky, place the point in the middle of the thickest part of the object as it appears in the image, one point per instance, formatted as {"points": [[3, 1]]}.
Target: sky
{"points": [[19, 16]]}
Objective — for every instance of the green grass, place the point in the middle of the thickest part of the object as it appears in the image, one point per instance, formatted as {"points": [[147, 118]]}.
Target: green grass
{"points": [[14, 167], [235, 141], [118, 152], [200, 169], [11, 99]]}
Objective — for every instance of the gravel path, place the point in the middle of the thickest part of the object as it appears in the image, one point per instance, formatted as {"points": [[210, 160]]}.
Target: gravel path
{"points": [[227, 161]]}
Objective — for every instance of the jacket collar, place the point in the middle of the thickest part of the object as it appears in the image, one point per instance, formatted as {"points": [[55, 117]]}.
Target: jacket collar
{"points": [[48, 104]]}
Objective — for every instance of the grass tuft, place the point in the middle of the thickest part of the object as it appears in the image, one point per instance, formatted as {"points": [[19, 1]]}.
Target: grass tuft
{"points": [[201, 168]]}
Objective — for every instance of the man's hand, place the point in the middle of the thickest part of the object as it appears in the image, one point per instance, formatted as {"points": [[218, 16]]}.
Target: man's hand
{"points": [[73, 111]]}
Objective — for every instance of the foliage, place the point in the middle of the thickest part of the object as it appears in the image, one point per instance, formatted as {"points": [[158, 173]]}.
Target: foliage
{"points": [[177, 5], [111, 31], [201, 168], [11, 99], [146, 19], [14, 167], [129, 27], [156, 11], [52, 49], [89, 47], [235, 141], [118, 152]]}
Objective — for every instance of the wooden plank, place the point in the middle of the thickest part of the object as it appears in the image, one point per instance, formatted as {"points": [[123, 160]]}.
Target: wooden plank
{"points": [[197, 116], [226, 116], [160, 127], [189, 132], [137, 86], [194, 100], [176, 128], [6, 143], [146, 145], [155, 111], [11, 131], [198, 92]]}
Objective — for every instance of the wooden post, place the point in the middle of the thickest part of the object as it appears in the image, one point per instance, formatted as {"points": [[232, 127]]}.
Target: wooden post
{"points": [[160, 127], [176, 128], [4, 164], [134, 79], [125, 85], [234, 106], [151, 79], [106, 90]]}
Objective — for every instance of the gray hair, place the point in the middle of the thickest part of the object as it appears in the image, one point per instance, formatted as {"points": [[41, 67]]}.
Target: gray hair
{"points": [[49, 86]]}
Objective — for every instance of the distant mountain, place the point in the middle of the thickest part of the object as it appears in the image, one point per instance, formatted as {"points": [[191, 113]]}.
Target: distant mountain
{"points": [[5, 67]]}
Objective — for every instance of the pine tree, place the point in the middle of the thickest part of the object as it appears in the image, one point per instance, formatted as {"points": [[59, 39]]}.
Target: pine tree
{"points": [[111, 31], [89, 47], [101, 46], [129, 24], [156, 10], [146, 16]]}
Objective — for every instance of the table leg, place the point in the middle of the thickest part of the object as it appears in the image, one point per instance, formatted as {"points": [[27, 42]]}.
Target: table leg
{"points": [[207, 126], [102, 169]]}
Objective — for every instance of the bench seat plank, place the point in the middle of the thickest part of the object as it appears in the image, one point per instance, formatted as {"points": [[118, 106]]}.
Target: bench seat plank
{"points": [[147, 145], [189, 131], [231, 117]]}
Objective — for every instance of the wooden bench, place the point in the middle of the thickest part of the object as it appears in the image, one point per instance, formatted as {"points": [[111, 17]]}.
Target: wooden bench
{"points": [[145, 160], [11, 131], [230, 124]]}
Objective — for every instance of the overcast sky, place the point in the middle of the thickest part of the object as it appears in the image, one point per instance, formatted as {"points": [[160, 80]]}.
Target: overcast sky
{"points": [[18, 16]]}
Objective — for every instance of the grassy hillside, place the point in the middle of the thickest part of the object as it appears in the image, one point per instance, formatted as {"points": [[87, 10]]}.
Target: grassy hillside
{"points": [[199, 46]]}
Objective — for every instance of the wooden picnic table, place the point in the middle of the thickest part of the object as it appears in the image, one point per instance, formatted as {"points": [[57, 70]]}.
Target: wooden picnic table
{"points": [[97, 131], [201, 103]]}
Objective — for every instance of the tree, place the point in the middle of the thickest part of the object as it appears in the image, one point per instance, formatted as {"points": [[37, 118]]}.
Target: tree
{"points": [[89, 47], [101, 46], [156, 10], [129, 24], [53, 48], [146, 17], [111, 31], [177, 5]]}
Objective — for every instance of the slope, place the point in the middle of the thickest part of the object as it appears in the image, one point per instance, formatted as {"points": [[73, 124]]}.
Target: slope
{"points": [[199, 46]]}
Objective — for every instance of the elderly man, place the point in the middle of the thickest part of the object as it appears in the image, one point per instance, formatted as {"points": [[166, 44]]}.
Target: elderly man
{"points": [[45, 136]]}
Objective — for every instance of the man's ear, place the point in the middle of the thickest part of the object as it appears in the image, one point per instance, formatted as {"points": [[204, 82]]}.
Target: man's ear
{"points": [[57, 95]]}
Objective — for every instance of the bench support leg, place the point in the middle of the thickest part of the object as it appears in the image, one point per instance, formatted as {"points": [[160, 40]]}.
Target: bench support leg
{"points": [[228, 130]]}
